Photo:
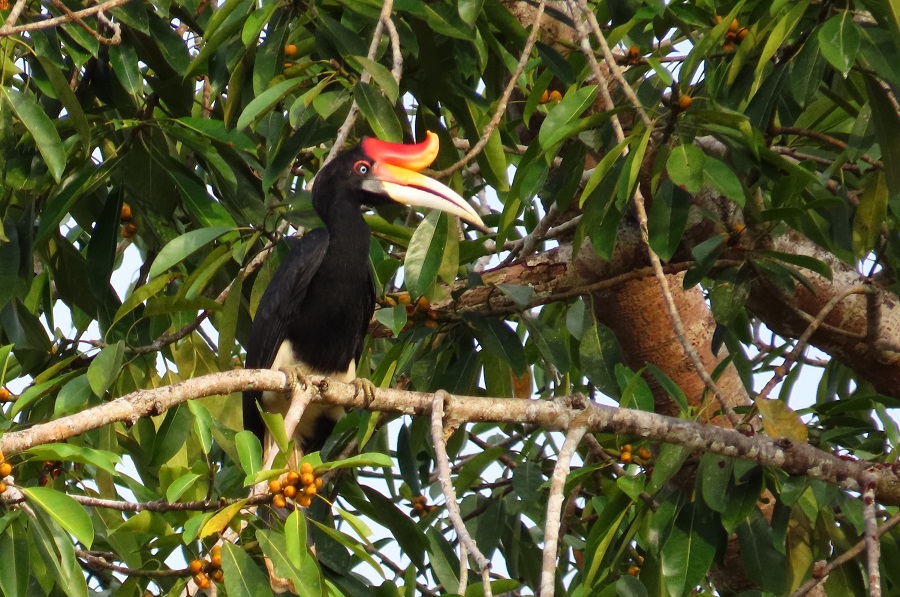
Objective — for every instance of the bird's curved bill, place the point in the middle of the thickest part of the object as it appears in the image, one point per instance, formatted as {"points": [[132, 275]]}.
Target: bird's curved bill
{"points": [[411, 188], [396, 174]]}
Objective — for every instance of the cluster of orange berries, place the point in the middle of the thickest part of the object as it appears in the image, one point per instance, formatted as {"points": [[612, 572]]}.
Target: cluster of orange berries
{"points": [[205, 571], [422, 305], [5, 471], [52, 469], [551, 96], [298, 486], [128, 225], [420, 506], [627, 455], [634, 55], [635, 569], [734, 35]]}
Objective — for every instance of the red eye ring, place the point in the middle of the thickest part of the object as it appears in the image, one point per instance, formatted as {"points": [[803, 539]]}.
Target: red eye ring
{"points": [[362, 167]]}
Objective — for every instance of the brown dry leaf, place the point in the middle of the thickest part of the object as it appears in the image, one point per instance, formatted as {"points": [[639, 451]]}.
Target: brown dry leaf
{"points": [[780, 421]]}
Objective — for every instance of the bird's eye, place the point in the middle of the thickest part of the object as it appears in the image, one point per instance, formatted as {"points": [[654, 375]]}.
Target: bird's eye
{"points": [[361, 167]]}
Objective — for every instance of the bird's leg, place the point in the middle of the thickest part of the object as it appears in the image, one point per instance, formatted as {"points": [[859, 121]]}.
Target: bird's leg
{"points": [[366, 387]]}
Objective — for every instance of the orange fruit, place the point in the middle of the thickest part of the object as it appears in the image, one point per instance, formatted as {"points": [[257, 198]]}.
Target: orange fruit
{"points": [[5, 469], [275, 486], [306, 467], [685, 101], [555, 96], [126, 212], [290, 50], [128, 230], [545, 97]]}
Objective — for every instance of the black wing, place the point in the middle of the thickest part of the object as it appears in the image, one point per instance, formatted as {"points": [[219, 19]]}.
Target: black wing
{"points": [[279, 303]]}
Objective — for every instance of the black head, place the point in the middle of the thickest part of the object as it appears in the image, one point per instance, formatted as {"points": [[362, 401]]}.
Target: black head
{"points": [[377, 172]]}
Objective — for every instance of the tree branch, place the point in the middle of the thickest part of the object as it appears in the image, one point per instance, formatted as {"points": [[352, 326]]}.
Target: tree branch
{"points": [[554, 508], [795, 459]]}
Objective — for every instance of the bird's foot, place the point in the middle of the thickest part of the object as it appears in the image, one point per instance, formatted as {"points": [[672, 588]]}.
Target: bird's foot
{"points": [[366, 387], [296, 379]]}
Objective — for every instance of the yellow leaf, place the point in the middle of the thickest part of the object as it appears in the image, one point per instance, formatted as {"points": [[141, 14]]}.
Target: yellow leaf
{"points": [[780, 421], [218, 522]]}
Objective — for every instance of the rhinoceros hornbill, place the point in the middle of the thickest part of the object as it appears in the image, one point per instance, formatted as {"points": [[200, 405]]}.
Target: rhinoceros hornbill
{"points": [[315, 312]]}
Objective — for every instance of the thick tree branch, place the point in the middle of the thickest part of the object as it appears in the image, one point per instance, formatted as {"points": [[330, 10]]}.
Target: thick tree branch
{"points": [[795, 459]]}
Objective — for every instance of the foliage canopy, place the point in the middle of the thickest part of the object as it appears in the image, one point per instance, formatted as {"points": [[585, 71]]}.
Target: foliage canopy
{"points": [[771, 172]]}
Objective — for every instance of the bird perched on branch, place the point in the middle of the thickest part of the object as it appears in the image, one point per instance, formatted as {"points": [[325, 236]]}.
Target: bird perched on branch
{"points": [[315, 312]]}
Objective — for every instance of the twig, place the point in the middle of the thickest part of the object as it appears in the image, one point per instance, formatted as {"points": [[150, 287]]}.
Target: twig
{"points": [[164, 505], [463, 568], [344, 131], [301, 396], [585, 45], [554, 508], [782, 370], [504, 99], [396, 55], [613, 65], [526, 245], [821, 574], [106, 41], [873, 547], [8, 28], [442, 462], [100, 562], [801, 132]]}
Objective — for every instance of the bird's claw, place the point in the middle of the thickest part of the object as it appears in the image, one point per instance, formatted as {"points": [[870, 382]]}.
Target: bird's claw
{"points": [[366, 387]]}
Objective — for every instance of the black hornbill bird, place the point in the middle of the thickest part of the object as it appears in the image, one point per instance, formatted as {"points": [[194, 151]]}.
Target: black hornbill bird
{"points": [[314, 315]]}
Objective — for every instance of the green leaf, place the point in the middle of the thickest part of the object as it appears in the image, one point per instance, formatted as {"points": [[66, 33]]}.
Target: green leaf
{"points": [[394, 318], [562, 120], [469, 10], [274, 547], [295, 537], [370, 459], [58, 556], [886, 122], [717, 175], [520, 295], [124, 60], [105, 367], [497, 337], [715, 474], [378, 112], [42, 129], [180, 248], [202, 424], [177, 488], [688, 551], [263, 103], [249, 452], [763, 562], [599, 354], [670, 387], [242, 577], [804, 261], [425, 252], [668, 219], [839, 41], [527, 480], [74, 395], [102, 459], [64, 510], [15, 559], [382, 76], [444, 562], [870, 213], [685, 166]]}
